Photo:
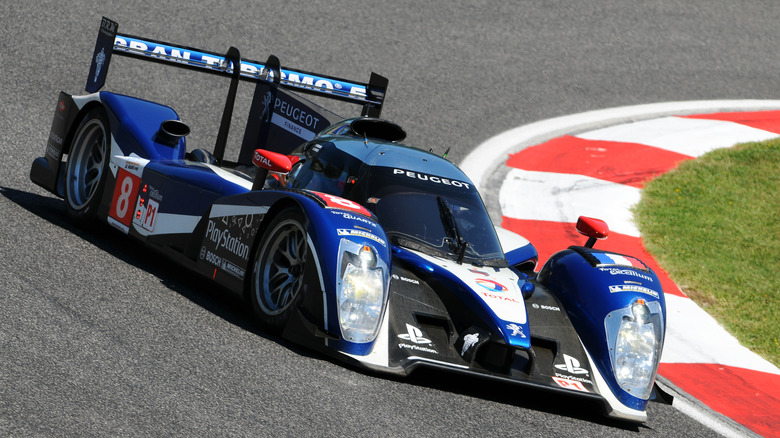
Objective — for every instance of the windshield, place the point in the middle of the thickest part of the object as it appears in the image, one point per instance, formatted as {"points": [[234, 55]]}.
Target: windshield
{"points": [[447, 221]]}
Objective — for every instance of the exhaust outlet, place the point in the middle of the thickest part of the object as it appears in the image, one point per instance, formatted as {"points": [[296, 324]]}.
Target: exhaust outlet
{"points": [[170, 132]]}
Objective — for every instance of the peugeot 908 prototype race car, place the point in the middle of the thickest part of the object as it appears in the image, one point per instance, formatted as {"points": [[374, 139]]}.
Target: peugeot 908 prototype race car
{"points": [[346, 241]]}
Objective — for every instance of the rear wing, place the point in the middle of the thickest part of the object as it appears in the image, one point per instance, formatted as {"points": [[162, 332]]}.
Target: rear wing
{"points": [[265, 126], [371, 94]]}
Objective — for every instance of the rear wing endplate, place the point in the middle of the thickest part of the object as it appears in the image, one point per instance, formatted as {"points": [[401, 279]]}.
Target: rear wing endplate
{"points": [[370, 95]]}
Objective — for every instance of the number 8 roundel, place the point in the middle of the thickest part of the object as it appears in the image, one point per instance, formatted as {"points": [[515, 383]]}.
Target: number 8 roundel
{"points": [[333, 201], [125, 192]]}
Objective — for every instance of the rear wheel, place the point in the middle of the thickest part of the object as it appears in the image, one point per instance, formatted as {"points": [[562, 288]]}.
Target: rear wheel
{"points": [[87, 166], [276, 285]]}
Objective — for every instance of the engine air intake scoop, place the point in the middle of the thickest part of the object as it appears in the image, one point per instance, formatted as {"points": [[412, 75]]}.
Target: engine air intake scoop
{"points": [[378, 128]]}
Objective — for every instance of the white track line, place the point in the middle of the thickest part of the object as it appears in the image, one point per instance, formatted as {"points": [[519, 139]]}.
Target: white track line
{"points": [[563, 197]]}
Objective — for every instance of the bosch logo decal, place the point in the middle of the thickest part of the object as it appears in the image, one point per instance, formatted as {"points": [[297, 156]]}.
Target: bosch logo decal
{"points": [[221, 263], [408, 280], [223, 239], [545, 307]]}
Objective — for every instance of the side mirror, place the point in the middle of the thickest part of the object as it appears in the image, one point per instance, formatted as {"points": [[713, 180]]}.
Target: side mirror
{"points": [[273, 161], [593, 228], [267, 160]]}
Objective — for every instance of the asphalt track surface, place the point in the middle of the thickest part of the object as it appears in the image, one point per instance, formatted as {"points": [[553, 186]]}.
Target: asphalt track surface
{"points": [[98, 337]]}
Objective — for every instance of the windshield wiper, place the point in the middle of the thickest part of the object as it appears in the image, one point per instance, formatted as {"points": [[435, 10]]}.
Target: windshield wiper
{"points": [[456, 242]]}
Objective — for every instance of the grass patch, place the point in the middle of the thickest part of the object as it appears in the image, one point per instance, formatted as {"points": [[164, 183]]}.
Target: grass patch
{"points": [[714, 224]]}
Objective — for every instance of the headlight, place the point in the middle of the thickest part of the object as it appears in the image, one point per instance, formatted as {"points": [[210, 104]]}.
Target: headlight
{"points": [[361, 291], [635, 343]]}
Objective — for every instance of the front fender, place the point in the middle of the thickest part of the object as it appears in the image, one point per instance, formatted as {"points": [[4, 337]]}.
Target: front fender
{"points": [[333, 226], [332, 232], [598, 290]]}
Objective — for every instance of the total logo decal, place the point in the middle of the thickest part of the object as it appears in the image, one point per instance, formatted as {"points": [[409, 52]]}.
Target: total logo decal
{"points": [[491, 285], [415, 336]]}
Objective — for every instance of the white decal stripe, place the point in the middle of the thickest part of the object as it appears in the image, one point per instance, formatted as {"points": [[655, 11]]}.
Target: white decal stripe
{"points": [[508, 305], [169, 223], [222, 210], [510, 240], [693, 137], [619, 259], [235, 179], [619, 410], [438, 362], [292, 127], [561, 197], [322, 284]]}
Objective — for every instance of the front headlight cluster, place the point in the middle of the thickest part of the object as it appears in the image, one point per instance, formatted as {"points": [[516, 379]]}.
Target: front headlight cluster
{"points": [[361, 291], [635, 336]]}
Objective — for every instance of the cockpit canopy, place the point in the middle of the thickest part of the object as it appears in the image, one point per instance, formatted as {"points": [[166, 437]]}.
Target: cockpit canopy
{"points": [[422, 201]]}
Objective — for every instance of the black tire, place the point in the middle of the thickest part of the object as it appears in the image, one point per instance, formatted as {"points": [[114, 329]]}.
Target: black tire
{"points": [[87, 167], [277, 279]]}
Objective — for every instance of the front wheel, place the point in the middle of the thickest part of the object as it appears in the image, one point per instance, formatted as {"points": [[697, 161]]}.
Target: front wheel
{"points": [[276, 284], [87, 166]]}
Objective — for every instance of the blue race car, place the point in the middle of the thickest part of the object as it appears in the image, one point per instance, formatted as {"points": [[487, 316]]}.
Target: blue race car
{"points": [[348, 242]]}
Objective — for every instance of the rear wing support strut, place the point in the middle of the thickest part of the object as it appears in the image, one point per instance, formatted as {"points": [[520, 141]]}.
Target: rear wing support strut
{"points": [[234, 57]]}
